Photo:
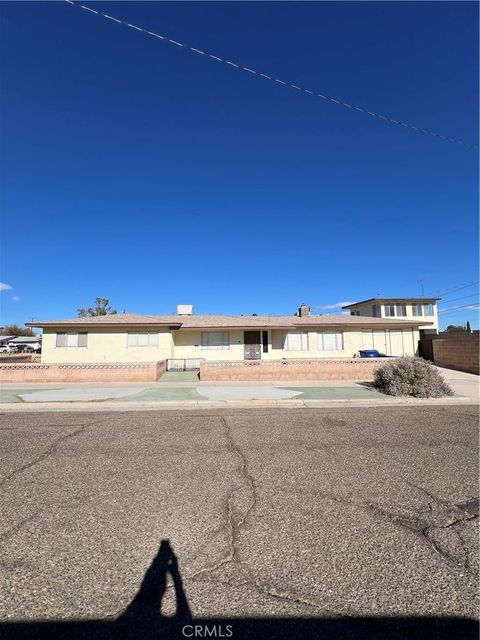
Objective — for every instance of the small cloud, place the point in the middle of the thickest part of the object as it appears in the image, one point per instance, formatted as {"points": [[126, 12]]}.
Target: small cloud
{"points": [[5, 287], [16, 298], [337, 305]]}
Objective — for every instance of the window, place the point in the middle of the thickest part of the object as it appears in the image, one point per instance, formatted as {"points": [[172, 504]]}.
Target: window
{"points": [[377, 313], [215, 340], [71, 339], [330, 341], [142, 339], [265, 341], [417, 309], [389, 310], [428, 309], [401, 310], [296, 341]]}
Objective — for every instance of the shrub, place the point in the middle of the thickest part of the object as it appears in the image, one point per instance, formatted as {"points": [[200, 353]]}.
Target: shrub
{"points": [[409, 376]]}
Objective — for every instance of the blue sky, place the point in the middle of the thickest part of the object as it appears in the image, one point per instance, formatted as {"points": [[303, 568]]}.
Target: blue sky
{"points": [[137, 171]]}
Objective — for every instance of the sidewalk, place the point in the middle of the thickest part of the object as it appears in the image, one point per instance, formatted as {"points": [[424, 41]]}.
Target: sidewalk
{"points": [[177, 392]]}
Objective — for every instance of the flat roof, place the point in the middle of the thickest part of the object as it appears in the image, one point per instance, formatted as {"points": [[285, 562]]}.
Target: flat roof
{"points": [[419, 299]]}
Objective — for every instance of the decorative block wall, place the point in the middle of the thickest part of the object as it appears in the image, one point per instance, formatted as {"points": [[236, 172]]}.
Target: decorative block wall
{"points": [[338, 369], [96, 372]]}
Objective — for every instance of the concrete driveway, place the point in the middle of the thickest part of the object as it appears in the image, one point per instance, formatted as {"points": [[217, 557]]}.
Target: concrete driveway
{"points": [[301, 523]]}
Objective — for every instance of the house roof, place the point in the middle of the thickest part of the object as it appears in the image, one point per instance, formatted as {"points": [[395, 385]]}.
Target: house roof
{"points": [[421, 299], [228, 322]]}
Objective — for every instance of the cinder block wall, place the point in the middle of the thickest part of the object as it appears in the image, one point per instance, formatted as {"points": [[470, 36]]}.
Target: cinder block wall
{"points": [[111, 372], [351, 369], [460, 352]]}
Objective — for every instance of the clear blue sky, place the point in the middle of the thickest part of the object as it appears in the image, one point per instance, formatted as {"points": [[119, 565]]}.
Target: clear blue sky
{"points": [[139, 172]]}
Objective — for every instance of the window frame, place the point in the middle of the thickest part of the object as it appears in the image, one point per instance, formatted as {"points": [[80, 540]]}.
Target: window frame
{"points": [[215, 347], [403, 310], [415, 309], [387, 310], [71, 333], [336, 333], [139, 333], [430, 308], [286, 341]]}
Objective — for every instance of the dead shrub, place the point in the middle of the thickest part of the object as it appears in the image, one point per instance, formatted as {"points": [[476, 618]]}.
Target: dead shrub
{"points": [[410, 376]]}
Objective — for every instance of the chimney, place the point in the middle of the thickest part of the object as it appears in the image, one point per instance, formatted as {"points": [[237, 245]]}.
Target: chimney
{"points": [[303, 310], [185, 309]]}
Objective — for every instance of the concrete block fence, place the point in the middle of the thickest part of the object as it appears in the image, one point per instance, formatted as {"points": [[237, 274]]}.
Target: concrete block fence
{"points": [[338, 369], [96, 372]]}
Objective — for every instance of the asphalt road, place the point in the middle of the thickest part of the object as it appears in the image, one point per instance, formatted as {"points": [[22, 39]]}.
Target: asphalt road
{"points": [[285, 523]]}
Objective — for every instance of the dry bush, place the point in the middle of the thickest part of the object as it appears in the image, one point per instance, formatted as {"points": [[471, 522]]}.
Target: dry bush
{"points": [[410, 376]]}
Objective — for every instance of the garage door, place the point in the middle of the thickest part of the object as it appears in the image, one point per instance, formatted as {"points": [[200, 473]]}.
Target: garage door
{"points": [[380, 341], [396, 343]]}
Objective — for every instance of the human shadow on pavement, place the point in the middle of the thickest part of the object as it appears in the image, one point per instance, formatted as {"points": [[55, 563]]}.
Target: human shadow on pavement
{"points": [[143, 620]]}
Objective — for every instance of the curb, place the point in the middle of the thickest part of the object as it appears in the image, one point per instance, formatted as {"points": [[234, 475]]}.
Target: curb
{"points": [[189, 405]]}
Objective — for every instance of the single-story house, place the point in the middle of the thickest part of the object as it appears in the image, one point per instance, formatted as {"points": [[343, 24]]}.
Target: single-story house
{"points": [[129, 337], [25, 342]]}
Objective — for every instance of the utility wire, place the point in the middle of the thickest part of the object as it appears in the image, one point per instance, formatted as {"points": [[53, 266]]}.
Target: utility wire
{"points": [[467, 307], [465, 286], [273, 79], [472, 295]]}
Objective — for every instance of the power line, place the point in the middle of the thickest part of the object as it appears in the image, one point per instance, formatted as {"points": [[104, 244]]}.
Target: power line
{"points": [[273, 79], [466, 286], [466, 307], [472, 295]]}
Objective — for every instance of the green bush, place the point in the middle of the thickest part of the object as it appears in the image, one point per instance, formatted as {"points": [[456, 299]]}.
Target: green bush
{"points": [[409, 376]]}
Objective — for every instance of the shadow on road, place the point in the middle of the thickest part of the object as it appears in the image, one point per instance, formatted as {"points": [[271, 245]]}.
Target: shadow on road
{"points": [[143, 620]]}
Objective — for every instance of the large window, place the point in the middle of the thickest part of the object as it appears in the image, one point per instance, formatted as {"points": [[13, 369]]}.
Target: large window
{"points": [[401, 310], [330, 341], [417, 309], [389, 310], [215, 340], [71, 339], [142, 339], [428, 309], [296, 341]]}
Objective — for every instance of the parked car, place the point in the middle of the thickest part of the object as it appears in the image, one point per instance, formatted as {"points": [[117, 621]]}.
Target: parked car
{"points": [[370, 353]]}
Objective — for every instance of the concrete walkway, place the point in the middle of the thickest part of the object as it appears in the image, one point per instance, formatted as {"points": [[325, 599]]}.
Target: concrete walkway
{"points": [[182, 391]]}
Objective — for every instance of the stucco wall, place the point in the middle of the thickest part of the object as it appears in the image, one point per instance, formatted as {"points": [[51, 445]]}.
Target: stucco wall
{"points": [[106, 345], [187, 344], [367, 310], [110, 345]]}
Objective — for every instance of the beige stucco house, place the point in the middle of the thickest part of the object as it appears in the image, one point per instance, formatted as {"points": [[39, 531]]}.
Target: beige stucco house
{"points": [[132, 337]]}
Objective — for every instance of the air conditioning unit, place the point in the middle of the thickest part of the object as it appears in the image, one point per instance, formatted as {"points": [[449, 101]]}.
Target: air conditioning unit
{"points": [[185, 309]]}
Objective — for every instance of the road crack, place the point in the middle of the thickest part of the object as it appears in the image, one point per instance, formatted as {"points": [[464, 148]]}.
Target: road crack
{"points": [[41, 457]]}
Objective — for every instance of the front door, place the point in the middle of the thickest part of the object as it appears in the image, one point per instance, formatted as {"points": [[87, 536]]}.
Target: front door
{"points": [[252, 341]]}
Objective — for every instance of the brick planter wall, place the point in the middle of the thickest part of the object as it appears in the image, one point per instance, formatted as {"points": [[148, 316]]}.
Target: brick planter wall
{"points": [[96, 372], [460, 352], [348, 369]]}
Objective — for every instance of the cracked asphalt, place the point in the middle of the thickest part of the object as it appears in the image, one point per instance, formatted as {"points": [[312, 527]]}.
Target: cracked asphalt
{"points": [[271, 513]]}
